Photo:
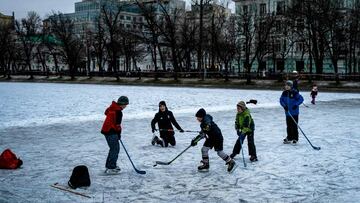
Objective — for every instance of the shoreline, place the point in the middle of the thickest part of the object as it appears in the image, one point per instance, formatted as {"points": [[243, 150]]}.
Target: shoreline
{"points": [[324, 86]]}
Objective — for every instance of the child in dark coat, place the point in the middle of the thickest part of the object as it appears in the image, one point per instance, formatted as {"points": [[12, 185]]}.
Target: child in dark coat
{"points": [[164, 118], [213, 138], [313, 94]]}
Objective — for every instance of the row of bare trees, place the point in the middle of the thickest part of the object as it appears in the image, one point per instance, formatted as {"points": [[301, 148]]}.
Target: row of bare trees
{"points": [[205, 39]]}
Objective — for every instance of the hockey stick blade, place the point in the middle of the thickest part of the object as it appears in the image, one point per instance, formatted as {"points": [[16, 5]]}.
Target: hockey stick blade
{"points": [[252, 101], [316, 148], [140, 172], [161, 163]]}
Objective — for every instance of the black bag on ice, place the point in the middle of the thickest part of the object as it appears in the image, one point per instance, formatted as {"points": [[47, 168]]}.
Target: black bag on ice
{"points": [[79, 177]]}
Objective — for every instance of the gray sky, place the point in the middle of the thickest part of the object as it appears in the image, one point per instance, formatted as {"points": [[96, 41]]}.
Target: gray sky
{"points": [[42, 7]]}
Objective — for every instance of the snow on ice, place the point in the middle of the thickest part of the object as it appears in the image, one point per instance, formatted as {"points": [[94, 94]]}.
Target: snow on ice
{"points": [[55, 127]]}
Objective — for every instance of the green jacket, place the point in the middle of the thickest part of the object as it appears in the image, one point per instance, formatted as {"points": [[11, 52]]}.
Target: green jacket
{"points": [[244, 122]]}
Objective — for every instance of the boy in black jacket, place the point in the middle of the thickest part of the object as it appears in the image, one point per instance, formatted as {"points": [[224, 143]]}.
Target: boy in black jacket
{"points": [[165, 119], [214, 138]]}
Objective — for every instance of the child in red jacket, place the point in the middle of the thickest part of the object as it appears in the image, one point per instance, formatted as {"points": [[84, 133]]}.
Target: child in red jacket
{"points": [[112, 132]]}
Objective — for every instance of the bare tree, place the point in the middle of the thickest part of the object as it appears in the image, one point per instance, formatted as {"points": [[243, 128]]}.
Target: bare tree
{"points": [[71, 47], [253, 36], [226, 45], [7, 48], [187, 42], [199, 7], [111, 19], [27, 30], [354, 39], [151, 34], [99, 44]]}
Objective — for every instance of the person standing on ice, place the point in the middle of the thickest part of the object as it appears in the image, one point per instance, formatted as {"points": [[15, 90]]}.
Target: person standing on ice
{"points": [[212, 133], [111, 129], [245, 127], [164, 118], [290, 100], [313, 94]]}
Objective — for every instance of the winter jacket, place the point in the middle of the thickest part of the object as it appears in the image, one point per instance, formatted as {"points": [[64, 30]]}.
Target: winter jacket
{"points": [[244, 122], [209, 127], [165, 120], [112, 123], [291, 99]]}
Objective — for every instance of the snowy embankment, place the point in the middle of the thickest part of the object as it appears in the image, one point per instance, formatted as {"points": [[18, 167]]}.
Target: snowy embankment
{"points": [[284, 173]]}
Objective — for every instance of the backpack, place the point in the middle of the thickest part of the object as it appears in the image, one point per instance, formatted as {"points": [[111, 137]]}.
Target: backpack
{"points": [[79, 177], [8, 160]]}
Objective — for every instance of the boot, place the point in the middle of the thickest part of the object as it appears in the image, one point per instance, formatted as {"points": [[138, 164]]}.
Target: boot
{"points": [[253, 158], [286, 141], [231, 165], [154, 140], [204, 167]]}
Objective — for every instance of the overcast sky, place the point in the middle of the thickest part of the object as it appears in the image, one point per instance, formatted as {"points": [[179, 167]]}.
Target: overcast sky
{"points": [[42, 7]]}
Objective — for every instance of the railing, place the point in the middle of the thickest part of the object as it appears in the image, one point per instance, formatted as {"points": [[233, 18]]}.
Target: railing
{"points": [[196, 74]]}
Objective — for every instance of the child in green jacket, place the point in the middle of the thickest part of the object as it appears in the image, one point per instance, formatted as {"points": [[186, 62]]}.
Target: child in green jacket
{"points": [[244, 125]]}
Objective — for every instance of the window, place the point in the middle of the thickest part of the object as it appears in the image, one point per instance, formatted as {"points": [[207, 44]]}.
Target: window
{"points": [[277, 46], [245, 9], [262, 9], [122, 17], [280, 7], [128, 18]]}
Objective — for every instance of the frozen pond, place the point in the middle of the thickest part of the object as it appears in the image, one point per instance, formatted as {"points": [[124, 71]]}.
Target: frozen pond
{"points": [[54, 127]]}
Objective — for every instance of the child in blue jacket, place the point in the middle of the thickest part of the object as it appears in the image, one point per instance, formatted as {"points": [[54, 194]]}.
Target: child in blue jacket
{"points": [[290, 100]]}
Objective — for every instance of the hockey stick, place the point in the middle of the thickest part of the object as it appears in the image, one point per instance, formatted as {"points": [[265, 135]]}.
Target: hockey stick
{"points": [[305, 105], [242, 150], [172, 130], [55, 185], [137, 170], [316, 148], [168, 163]]}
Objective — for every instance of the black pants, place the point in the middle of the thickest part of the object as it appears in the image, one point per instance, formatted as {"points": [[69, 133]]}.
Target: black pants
{"points": [[168, 138], [291, 128], [251, 144]]}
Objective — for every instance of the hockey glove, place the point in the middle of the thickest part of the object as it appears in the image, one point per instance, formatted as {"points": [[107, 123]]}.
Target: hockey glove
{"points": [[195, 140], [286, 108]]}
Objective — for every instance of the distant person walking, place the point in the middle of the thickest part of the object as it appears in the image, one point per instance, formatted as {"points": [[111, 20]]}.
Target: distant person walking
{"points": [[290, 100], [164, 118], [245, 127], [314, 93], [213, 139], [296, 80], [111, 129]]}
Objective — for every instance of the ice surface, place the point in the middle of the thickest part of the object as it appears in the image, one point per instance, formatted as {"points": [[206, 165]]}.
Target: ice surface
{"points": [[54, 127]]}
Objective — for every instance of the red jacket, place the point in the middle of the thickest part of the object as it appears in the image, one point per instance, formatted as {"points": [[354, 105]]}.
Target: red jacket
{"points": [[112, 123]]}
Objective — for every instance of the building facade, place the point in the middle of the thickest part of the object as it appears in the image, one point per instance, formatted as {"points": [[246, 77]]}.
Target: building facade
{"points": [[288, 53]]}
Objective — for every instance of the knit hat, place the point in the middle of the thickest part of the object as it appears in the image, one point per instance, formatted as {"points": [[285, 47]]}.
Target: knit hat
{"points": [[123, 100], [241, 104], [289, 83], [162, 103], [201, 113]]}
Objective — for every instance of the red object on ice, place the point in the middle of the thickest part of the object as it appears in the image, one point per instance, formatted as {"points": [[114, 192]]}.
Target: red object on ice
{"points": [[8, 160]]}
